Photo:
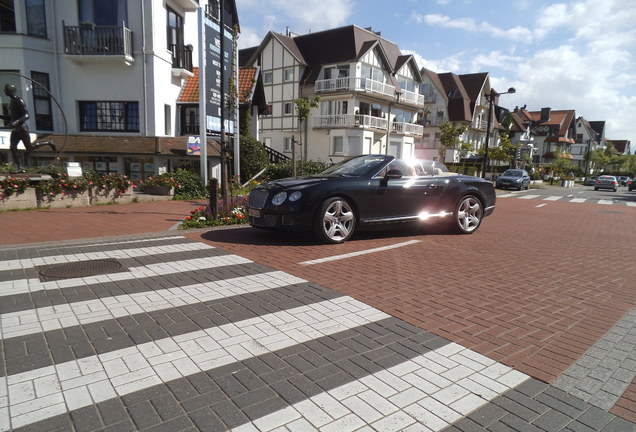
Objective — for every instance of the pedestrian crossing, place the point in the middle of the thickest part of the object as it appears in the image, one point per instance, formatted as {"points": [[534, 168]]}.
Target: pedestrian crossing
{"points": [[187, 336], [571, 199]]}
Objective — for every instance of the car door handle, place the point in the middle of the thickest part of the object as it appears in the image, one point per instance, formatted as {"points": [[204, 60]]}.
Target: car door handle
{"points": [[432, 186]]}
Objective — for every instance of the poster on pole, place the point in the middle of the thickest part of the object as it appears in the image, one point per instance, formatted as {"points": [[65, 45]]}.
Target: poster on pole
{"points": [[215, 60]]}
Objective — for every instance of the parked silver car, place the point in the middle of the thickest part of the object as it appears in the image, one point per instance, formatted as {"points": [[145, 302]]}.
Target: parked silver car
{"points": [[606, 182]]}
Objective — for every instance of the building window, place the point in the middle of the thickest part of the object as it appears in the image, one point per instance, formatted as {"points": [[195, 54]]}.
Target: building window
{"points": [[167, 115], [42, 101], [288, 75], [103, 12], [36, 17], [338, 145], [287, 147], [109, 116], [7, 16], [268, 77], [288, 108], [175, 30], [190, 120]]}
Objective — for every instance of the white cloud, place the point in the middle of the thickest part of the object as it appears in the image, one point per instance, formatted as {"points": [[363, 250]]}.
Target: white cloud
{"points": [[300, 16], [517, 33]]}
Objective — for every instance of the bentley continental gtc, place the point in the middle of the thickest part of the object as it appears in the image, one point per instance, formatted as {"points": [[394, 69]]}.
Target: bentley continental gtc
{"points": [[372, 190]]}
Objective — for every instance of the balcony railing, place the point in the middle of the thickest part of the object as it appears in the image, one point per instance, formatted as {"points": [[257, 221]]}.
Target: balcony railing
{"points": [[480, 124], [433, 121], [92, 40], [412, 98], [354, 84], [350, 120], [181, 57], [403, 128]]}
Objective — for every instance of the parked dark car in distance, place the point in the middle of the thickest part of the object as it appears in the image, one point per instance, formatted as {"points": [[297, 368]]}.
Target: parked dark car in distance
{"points": [[606, 182], [622, 180], [371, 190], [631, 184], [514, 178], [590, 181]]}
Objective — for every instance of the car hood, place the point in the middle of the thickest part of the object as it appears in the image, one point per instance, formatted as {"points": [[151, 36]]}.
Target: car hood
{"points": [[509, 178], [296, 182]]}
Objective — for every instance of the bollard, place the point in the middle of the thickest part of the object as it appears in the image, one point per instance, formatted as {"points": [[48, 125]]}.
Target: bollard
{"points": [[213, 204]]}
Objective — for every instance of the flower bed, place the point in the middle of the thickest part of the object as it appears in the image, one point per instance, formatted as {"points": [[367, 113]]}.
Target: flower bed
{"points": [[232, 214]]}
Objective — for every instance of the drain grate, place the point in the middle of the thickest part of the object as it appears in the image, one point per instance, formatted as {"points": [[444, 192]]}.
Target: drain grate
{"points": [[80, 269]]}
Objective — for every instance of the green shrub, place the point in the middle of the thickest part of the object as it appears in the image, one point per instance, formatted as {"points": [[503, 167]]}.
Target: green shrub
{"points": [[253, 157], [189, 186], [284, 169]]}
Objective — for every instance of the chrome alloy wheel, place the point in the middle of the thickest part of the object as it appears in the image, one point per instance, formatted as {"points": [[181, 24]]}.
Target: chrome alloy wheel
{"points": [[469, 214], [337, 221]]}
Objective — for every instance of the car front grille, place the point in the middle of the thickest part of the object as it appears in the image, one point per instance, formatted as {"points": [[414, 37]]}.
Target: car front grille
{"points": [[257, 198], [268, 220]]}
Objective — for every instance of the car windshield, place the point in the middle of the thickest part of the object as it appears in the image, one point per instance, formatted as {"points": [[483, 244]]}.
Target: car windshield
{"points": [[513, 173], [358, 166]]}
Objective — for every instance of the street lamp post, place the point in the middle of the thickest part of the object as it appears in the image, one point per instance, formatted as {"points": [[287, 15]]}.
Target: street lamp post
{"points": [[491, 98]]}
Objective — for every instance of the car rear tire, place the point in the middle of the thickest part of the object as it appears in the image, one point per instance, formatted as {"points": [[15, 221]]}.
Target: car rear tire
{"points": [[335, 221], [468, 215]]}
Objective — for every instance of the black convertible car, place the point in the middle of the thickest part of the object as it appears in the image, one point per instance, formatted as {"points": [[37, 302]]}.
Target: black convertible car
{"points": [[371, 190]]}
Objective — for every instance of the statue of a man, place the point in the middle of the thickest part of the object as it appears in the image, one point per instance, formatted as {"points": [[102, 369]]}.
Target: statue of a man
{"points": [[18, 115]]}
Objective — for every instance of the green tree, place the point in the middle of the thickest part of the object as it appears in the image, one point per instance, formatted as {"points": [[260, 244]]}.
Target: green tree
{"points": [[303, 109], [504, 152], [449, 139]]}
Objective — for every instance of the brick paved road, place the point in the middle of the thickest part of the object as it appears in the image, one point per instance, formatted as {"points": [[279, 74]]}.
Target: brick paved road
{"points": [[260, 332], [535, 288]]}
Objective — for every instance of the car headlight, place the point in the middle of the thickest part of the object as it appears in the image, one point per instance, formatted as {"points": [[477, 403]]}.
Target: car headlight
{"points": [[279, 198], [295, 196]]}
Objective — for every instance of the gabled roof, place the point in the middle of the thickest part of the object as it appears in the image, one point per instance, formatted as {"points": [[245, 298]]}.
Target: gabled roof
{"points": [[474, 83], [410, 61], [563, 119], [621, 146], [340, 45], [458, 99], [248, 80]]}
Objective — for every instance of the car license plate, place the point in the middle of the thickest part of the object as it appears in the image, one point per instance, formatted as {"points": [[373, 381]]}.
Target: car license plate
{"points": [[256, 213]]}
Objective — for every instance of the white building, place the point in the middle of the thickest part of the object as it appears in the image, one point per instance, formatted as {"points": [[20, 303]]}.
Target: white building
{"points": [[370, 100], [115, 68]]}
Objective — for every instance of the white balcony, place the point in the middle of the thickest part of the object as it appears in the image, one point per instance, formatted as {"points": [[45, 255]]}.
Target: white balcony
{"points": [[364, 85], [412, 98], [403, 128], [349, 121]]}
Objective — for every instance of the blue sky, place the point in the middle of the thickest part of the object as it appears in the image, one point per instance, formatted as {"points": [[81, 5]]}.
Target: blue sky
{"points": [[578, 54]]}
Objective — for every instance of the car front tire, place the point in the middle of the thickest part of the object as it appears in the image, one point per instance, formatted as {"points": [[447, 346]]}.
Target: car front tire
{"points": [[468, 215], [335, 221]]}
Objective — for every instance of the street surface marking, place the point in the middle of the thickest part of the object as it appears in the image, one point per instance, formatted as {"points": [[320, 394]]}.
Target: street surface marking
{"points": [[21, 286], [430, 399], [81, 383], [529, 197], [354, 254], [578, 200], [85, 312], [113, 254], [606, 202], [541, 205], [553, 198]]}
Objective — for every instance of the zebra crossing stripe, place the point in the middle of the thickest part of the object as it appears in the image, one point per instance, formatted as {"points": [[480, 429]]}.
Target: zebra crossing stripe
{"points": [[20, 286], [578, 200], [552, 198], [66, 315], [420, 392], [529, 197], [116, 254], [42, 393], [605, 202]]}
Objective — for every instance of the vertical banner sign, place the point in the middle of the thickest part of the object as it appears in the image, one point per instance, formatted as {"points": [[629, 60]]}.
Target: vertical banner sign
{"points": [[215, 60]]}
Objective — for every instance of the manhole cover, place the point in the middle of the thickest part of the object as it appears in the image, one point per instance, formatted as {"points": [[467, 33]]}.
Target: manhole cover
{"points": [[80, 269]]}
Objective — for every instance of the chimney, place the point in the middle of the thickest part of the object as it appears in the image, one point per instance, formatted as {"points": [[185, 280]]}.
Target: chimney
{"points": [[545, 114]]}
